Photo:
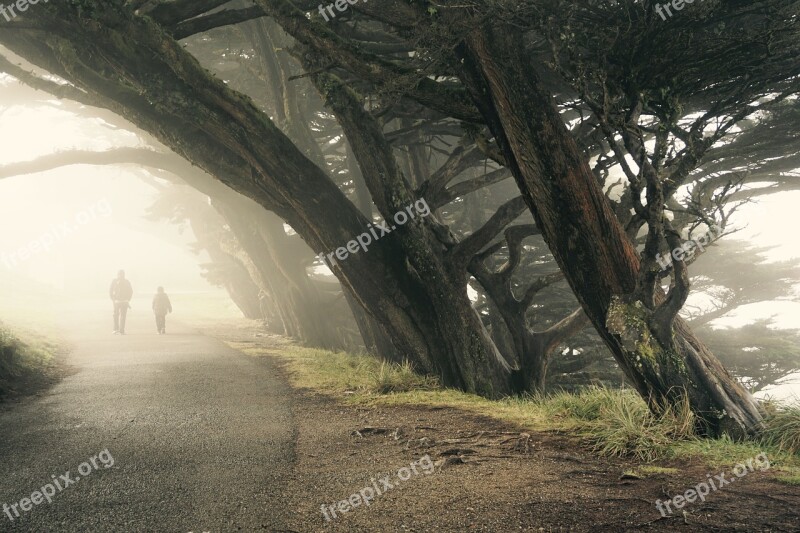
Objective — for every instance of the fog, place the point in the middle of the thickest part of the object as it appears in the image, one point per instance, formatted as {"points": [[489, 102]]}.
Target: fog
{"points": [[66, 232], [88, 224]]}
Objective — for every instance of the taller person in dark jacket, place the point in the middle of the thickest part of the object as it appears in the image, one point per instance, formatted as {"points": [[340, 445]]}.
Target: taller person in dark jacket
{"points": [[121, 293]]}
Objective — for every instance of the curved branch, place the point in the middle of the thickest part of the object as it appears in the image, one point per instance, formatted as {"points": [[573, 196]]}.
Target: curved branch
{"points": [[465, 187], [563, 329], [226, 17], [118, 156], [505, 215], [665, 313]]}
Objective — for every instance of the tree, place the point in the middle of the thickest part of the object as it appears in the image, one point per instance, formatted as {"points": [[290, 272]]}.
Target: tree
{"points": [[420, 302], [371, 84], [654, 347]]}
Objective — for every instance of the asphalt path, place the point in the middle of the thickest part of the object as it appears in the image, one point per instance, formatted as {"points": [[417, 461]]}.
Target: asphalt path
{"points": [[200, 436]]}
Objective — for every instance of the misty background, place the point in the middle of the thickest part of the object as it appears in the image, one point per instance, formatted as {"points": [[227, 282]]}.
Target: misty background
{"points": [[77, 269], [95, 216]]}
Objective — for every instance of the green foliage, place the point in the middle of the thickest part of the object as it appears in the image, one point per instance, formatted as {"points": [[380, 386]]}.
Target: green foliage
{"points": [[759, 355]]}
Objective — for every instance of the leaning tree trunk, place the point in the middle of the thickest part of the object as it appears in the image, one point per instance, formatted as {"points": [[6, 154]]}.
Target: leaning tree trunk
{"points": [[300, 302], [225, 270], [293, 114], [420, 300], [599, 261], [244, 293]]}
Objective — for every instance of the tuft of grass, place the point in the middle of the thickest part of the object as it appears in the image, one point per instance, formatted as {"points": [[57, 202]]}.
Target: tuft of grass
{"points": [[393, 377], [783, 429], [789, 475], [588, 404], [619, 423], [644, 471], [626, 427], [23, 359]]}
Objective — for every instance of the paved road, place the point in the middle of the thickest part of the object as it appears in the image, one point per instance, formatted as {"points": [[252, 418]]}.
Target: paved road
{"points": [[200, 435]]}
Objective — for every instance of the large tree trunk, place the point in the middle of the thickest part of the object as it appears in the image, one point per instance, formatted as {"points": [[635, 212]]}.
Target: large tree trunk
{"points": [[599, 261], [245, 294], [420, 300], [293, 114], [305, 313]]}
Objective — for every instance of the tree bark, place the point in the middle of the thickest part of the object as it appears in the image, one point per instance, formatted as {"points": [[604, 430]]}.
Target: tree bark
{"points": [[599, 261]]}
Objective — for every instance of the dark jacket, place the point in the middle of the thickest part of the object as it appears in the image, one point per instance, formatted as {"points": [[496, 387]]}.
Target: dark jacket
{"points": [[121, 290], [161, 304]]}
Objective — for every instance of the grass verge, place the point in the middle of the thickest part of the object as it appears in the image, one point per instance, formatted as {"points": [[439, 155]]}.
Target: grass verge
{"points": [[614, 422], [27, 360]]}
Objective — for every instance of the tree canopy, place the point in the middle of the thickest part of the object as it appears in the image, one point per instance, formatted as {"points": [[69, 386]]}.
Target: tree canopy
{"points": [[561, 147]]}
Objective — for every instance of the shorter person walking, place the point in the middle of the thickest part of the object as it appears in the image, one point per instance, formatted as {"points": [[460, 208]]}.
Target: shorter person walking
{"points": [[161, 306]]}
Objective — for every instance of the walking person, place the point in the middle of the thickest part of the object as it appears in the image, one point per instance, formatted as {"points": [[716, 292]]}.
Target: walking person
{"points": [[121, 293], [161, 307]]}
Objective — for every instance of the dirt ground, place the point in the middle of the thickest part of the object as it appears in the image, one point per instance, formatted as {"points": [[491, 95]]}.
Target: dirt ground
{"points": [[489, 477]]}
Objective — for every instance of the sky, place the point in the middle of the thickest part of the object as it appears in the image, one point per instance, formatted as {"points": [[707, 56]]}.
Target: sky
{"points": [[769, 222]]}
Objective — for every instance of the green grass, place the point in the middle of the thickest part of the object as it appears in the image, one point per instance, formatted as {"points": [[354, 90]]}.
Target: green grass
{"points": [[343, 372], [624, 426], [789, 475], [783, 429], [615, 422], [24, 357], [651, 470]]}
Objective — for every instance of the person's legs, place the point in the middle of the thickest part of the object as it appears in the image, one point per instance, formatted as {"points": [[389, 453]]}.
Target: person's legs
{"points": [[116, 317], [123, 314], [160, 320]]}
